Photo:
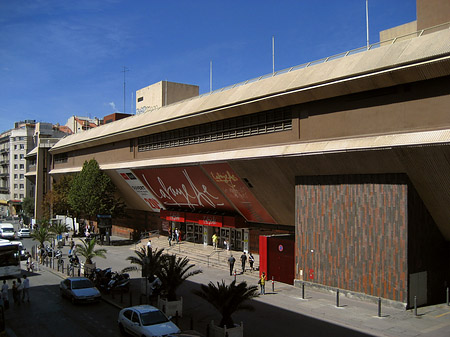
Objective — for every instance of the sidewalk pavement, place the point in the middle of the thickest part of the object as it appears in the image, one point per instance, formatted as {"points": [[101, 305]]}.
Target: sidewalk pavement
{"points": [[282, 311]]}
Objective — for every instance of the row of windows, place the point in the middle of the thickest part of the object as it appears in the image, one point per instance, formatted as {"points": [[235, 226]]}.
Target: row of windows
{"points": [[19, 176], [21, 186], [243, 126], [21, 196], [60, 158]]}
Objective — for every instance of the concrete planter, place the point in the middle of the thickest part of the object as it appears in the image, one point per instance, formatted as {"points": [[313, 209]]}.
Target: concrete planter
{"points": [[216, 331], [88, 268], [170, 308]]}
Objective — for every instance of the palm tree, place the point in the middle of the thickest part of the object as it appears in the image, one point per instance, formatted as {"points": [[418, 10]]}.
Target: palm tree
{"points": [[174, 271], [42, 235], [88, 251], [59, 229], [228, 299], [148, 260]]}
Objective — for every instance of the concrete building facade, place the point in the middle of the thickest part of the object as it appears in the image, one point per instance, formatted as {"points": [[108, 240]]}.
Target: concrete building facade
{"points": [[350, 154]]}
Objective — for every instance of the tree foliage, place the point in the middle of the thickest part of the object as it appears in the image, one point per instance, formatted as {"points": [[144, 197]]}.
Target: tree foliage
{"points": [[28, 206], [88, 251], [174, 271], [42, 235], [148, 260], [227, 299], [92, 192]]}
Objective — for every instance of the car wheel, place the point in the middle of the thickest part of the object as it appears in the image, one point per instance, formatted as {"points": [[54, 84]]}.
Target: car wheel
{"points": [[121, 328]]}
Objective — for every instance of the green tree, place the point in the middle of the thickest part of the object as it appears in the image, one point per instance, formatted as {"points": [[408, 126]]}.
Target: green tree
{"points": [[58, 228], [228, 299], [88, 251], [174, 271], [148, 260], [92, 192], [42, 235], [28, 206]]}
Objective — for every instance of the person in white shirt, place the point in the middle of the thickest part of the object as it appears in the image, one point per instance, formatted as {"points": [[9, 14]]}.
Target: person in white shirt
{"points": [[5, 294], [26, 288]]}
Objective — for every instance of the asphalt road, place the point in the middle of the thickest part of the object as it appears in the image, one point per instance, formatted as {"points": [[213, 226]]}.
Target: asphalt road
{"points": [[48, 314]]}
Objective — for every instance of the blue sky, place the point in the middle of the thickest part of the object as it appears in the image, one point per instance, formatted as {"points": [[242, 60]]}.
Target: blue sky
{"points": [[60, 58]]}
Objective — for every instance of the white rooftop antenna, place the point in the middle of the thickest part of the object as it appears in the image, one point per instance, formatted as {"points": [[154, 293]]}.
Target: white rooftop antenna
{"points": [[367, 22], [273, 55], [210, 76]]}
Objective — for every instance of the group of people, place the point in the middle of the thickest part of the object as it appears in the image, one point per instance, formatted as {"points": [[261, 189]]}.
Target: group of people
{"points": [[232, 260], [20, 292], [174, 235], [251, 259]]}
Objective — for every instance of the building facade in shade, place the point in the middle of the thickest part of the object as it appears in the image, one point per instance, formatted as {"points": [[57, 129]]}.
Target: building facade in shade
{"points": [[39, 162], [349, 153]]}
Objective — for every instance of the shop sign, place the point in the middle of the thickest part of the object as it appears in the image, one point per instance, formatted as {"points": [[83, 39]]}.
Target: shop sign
{"points": [[184, 187], [238, 193], [140, 190], [172, 216], [210, 220]]}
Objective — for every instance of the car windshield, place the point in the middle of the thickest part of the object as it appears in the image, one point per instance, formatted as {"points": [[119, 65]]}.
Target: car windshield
{"points": [[8, 230], [82, 284], [153, 317]]}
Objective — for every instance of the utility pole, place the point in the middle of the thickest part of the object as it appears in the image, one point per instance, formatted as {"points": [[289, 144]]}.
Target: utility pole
{"points": [[125, 69]]}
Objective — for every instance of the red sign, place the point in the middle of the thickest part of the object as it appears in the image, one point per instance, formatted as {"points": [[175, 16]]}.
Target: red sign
{"points": [[238, 193], [172, 216], [184, 187]]}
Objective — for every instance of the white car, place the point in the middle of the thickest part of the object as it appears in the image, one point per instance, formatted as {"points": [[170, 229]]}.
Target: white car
{"points": [[79, 289], [145, 320], [24, 233]]}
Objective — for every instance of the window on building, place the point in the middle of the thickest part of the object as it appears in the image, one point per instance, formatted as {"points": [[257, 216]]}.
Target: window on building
{"points": [[22, 146], [15, 156], [22, 157], [22, 177], [15, 147], [21, 196], [15, 166], [15, 186], [22, 166], [140, 99], [15, 195], [15, 176], [22, 186]]}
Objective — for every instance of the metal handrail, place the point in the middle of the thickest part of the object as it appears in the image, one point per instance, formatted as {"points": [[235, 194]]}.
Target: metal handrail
{"points": [[218, 251]]}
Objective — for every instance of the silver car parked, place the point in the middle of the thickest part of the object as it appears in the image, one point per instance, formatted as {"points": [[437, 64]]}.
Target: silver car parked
{"points": [[79, 289], [145, 320]]}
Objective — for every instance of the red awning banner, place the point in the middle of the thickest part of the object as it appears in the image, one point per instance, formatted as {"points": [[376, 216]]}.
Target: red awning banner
{"points": [[172, 216]]}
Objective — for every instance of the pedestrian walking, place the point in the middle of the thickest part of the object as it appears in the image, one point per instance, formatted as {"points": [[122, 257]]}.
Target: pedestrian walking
{"points": [[177, 235], [251, 260], [26, 289], [169, 238], [149, 244], [72, 245], [215, 240], [243, 260], [5, 297], [262, 283], [15, 293], [231, 261], [29, 265], [19, 290]]}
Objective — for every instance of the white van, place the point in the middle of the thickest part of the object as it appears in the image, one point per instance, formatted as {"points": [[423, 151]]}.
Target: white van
{"points": [[6, 230]]}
